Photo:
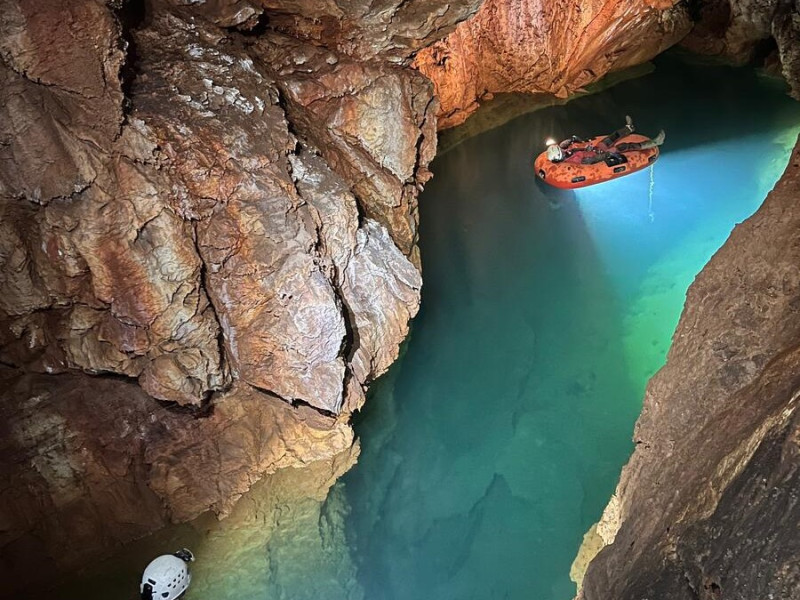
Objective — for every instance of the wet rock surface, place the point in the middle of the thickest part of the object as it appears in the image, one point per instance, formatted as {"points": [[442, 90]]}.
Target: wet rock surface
{"points": [[90, 463], [374, 123], [535, 46], [707, 506]]}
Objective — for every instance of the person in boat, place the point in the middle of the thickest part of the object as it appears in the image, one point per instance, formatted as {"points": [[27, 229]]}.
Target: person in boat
{"points": [[579, 151]]}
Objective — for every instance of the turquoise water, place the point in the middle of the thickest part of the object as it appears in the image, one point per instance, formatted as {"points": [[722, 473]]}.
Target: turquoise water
{"points": [[495, 442]]}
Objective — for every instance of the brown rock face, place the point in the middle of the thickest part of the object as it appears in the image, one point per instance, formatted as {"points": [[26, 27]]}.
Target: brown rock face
{"points": [[183, 249], [367, 29], [90, 463], [744, 30], [97, 272], [707, 506], [190, 238], [539, 46], [373, 123]]}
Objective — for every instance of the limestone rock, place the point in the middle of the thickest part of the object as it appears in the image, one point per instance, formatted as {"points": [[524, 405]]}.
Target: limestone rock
{"points": [[373, 123], [365, 29], [786, 31], [243, 15], [188, 258], [539, 46], [191, 238], [732, 28], [379, 287], [707, 505], [228, 140], [101, 276], [378, 277], [74, 52]]}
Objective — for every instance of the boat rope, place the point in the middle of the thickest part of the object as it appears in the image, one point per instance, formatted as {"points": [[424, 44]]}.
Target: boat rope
{"points": [[650, 212]]}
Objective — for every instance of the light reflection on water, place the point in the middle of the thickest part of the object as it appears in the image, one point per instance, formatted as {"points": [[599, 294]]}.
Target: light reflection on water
{"points": [[496, 442]]}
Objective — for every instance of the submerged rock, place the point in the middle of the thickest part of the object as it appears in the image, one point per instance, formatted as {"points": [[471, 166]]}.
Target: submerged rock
{"points": [[707, 506], [90, 463]]}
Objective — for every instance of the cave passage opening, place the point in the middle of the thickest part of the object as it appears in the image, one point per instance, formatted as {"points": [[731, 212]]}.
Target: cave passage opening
{"points": [[497, 439]]}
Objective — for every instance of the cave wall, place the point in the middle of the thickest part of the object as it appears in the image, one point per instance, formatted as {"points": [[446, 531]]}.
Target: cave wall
{"points": [[207, 252], [135, 244], [208, 227], [743, 31], [543, 47], [707, 506]]}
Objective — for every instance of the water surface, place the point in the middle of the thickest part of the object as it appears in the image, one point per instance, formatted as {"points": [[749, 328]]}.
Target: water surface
{"points": [[495, 442]]}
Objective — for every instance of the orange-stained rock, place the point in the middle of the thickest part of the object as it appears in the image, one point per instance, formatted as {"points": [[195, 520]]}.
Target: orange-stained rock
{"points": [[72, 48], [374, 124], [194, 240], [366, 29], [543, 46], [97, 273], [378, 286], [185, 255]]}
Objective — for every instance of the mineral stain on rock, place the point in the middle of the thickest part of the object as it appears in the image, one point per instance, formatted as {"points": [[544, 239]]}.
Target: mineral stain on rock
{"points": [[176, 229], [208, 232]]}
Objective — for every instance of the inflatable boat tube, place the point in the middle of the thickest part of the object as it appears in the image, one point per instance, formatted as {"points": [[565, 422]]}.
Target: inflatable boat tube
{"points": [[569, 176]]}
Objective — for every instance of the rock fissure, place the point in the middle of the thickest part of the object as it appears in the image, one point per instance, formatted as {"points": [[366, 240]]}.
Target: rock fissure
{"points": [[227, 383]]}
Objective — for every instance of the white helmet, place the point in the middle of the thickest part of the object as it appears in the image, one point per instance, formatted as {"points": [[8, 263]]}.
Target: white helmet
{"points": [[555, 153], [165, 578]]}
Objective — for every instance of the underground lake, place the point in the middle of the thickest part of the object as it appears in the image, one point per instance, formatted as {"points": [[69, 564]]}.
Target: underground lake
{"points": [[494, 442]]}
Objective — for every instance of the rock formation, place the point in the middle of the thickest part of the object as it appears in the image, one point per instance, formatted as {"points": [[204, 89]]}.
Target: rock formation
{"points": [[366, 29], [90, 463], [746, 30], [228, 221], [708, 506], [537, 46], [208, 227]]}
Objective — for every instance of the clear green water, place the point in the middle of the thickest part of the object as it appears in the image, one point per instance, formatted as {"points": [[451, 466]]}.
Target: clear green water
{"points": [[495, 442]]}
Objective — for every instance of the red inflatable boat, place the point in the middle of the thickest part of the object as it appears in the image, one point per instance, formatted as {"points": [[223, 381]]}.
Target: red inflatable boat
{"points": [[569, 175]]}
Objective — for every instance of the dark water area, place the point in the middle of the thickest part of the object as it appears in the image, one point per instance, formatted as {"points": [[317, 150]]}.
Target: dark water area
{"points": [[496, 440]]}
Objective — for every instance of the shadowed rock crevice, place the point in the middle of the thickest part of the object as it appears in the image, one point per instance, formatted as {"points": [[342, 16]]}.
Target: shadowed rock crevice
{"points": [[764, 32], [220, 334], [132, 15]]}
